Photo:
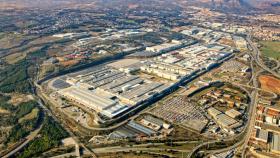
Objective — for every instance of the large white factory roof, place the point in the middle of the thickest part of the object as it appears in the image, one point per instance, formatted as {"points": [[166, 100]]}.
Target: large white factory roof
{"points": [[93, 100], [163, 46], [87, 97]]}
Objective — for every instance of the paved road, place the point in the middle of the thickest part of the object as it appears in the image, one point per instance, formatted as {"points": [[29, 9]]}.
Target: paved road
{"points": [[277, 62], [139, 147], [29, 138], [254, 100], [251, 107], [134, 148], [77, 141], [254, 97], [256, 55]]}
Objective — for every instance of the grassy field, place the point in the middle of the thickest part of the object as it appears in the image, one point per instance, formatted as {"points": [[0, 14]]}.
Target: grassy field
{"points": [[271, 49], [16, 57], [13, 58], [33, 114], [9, 40]]}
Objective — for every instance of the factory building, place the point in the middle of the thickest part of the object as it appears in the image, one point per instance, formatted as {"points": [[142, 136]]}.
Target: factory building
{"points": [[109, 91], [142, 92], [161, 73], [233, 113], [131, 130], [141, 128], [165, 47], [226, 122], [92, 100], [71, 35], [269, 115], [262, 135], [213, 112], [196, 124], [168, 67], [154, 123]]}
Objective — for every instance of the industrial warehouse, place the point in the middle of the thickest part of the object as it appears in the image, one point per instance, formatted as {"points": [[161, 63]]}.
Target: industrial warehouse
{"points": [[115, 88], [109, 91], [187, 61], [140, 78], [93, 100], [148, 126]]}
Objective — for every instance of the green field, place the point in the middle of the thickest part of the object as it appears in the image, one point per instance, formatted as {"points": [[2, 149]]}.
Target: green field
{"points": [[271, 49], [50, 137]]}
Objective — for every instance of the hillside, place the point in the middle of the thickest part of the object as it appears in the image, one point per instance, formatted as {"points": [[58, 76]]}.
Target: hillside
{"points": [[240, 5]]}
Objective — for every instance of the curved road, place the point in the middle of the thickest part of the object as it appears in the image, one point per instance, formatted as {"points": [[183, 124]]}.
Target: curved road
{"points": [[252, 110], [28, 138], [254, 98]]}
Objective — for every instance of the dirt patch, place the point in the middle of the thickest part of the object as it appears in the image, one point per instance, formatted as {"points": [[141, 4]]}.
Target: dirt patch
{"points": [[3, 111], [19, 98], [227, 42], [69, 63], [13, 58], [68, 141], [270, 83]]}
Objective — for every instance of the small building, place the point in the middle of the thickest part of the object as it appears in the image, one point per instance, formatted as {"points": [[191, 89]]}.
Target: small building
{"points": [[262, 135], [214, 112], [138, 127], [165, 47], [233, 113], [215, 129], [227, 96], [265, 102], [197, 125], [227, 123], [228, 154], [154, 123]]}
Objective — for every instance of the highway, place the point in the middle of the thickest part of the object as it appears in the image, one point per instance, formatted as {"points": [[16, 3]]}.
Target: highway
{"points": [[255, 54], [252, 108], [249, 127], [151, 147], [230, 139], [49, 113], [29, 138]]}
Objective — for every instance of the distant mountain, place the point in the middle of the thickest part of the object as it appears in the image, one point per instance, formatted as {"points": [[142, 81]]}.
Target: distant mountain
{"points": [[42, 3], [263, 4], [240, 5], [224, 5]]}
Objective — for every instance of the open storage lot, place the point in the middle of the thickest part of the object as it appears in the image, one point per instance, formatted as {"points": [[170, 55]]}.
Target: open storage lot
{"points": [[181, 110]]}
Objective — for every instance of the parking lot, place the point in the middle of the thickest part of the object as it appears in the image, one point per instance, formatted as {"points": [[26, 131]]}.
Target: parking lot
{"points": [[181, 110]]}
